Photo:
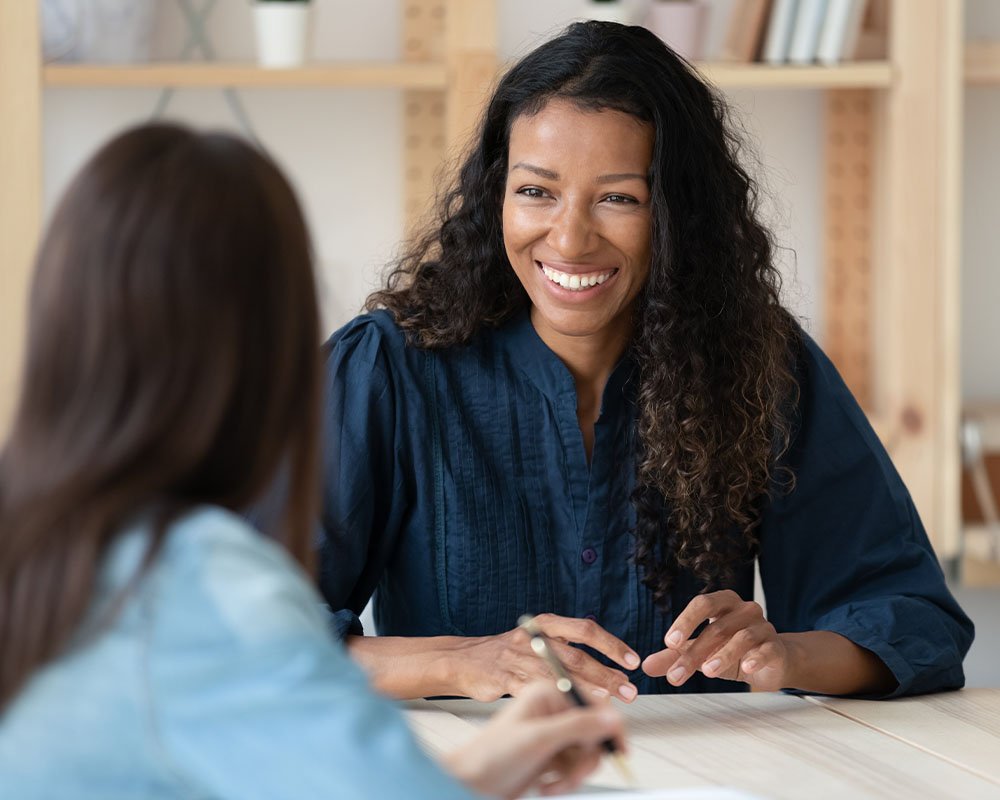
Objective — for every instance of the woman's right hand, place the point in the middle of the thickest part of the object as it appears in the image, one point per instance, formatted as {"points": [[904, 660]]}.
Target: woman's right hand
{"points": [[488, 667], [537, 741]]}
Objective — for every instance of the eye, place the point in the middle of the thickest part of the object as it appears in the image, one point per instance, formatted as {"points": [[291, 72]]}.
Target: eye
{"points": [[531, 191], [621, 198]]}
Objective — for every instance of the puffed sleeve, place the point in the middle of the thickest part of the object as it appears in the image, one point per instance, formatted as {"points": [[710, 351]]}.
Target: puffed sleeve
{"points": [[845, 550], [364, 493], [250, 696]]}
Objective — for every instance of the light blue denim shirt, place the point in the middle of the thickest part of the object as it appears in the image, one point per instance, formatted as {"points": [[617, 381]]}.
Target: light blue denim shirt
{"points": [[218, 678]]}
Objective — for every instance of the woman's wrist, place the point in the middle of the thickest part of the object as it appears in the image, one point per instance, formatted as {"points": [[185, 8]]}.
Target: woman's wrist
{"points": [[406, 667], [829, 663]]}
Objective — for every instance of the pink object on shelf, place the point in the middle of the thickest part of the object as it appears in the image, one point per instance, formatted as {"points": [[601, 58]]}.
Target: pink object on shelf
{"points": [[682, 24]]}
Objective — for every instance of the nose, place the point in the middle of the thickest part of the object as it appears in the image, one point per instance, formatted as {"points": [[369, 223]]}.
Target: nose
{"points": [[572, 233]]}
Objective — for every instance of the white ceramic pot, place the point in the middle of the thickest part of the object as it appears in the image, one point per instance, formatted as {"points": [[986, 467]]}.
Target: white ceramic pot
{"points": [[682, 24], [282, 33], [619, 11]]}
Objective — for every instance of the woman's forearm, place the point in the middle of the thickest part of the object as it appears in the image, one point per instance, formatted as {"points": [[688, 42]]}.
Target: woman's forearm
{"points": [[828, 663], [405, 667]]}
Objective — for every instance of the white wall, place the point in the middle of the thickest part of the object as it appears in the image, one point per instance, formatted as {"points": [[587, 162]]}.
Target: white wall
{"points": [[342, 149]]}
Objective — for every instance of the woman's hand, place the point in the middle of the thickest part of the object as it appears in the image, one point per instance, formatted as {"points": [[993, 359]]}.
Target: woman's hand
{"points": [[489, 667], [738, 644], [537, 741]]}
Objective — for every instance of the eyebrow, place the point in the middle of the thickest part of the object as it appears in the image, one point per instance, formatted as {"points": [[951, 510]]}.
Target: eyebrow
{"points": [[603, 179]]}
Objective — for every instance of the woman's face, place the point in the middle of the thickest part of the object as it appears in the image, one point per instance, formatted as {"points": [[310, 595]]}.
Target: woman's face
{"points": [[576, 216]]}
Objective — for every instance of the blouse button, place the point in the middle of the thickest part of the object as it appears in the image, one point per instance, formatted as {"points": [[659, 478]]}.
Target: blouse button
{"points": [[589, 555], [591, 617]]}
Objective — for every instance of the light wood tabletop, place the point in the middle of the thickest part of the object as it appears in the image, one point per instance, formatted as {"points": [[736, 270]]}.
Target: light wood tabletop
{"points": [[785, 746]]}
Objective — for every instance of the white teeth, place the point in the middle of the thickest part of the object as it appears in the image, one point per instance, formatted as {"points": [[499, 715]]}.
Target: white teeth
{"points": [[576, 283]]}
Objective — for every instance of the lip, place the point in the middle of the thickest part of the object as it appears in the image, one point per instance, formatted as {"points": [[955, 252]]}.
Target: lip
{"points": [[575, 269]]}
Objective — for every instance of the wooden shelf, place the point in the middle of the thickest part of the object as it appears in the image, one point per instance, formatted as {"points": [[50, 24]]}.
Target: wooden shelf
{"points": [[876, 74], [214, 75], [982, 64], [855, 75]]}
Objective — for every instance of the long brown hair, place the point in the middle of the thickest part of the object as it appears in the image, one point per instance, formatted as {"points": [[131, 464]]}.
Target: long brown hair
{"points": [[716, 350], [172, 360]]}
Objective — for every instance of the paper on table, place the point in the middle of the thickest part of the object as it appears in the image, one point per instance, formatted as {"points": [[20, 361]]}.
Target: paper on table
{"points": [[697, 793]]}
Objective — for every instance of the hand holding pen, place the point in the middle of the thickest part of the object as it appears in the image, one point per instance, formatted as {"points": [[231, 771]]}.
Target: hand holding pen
{"points": [[540, 645], [534, 742]]}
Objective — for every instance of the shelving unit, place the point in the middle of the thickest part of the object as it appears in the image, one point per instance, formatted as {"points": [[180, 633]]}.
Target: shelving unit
{"points": [[892, 139], [449, 59], [857, 75], [223, 75], [428, 75]]}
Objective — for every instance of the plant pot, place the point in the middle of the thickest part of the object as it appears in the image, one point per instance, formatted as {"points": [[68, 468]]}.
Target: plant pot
{"points": [[282, 31], [682, 24], [616, 11]]}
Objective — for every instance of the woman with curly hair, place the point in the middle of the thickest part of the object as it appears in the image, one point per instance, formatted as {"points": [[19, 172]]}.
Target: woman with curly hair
{"points": [[579, 394]]}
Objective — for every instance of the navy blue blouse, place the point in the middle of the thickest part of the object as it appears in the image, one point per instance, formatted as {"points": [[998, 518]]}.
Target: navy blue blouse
{"points": [[457, 490]]}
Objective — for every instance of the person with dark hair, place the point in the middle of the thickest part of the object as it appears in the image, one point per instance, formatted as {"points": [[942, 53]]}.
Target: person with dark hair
{"points": [[579, 395], [152, 644]]}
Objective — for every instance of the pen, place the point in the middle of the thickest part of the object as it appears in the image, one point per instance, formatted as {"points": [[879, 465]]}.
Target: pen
{"points": [[540, 644]]}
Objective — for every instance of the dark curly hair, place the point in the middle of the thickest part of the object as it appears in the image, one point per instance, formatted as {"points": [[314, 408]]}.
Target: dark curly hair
{"points": [[715, 349]]}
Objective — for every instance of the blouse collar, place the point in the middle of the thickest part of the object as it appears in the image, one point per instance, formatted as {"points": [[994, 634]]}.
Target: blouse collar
{"points": [[526, 350]]}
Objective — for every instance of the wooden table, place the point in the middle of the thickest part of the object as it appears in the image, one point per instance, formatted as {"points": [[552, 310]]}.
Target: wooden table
{"points": [[784, 746]]}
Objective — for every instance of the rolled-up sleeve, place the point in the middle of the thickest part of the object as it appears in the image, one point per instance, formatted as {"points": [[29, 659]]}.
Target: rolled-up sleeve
{"points": [[845, 551]]}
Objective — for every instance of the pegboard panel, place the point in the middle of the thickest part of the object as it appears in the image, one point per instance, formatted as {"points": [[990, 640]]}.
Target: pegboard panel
{"points": [[467, 96], [424, 148], [423, 29], [848, 280], [424, 112]]}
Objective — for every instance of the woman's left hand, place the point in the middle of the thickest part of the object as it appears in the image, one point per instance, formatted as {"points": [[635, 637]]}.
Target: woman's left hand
{"points": [[738, 644]]}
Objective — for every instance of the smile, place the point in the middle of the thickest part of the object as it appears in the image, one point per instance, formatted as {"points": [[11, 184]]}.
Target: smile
{"points": [[576, 282]]}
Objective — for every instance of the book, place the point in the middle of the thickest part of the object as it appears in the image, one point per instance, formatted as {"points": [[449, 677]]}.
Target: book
{"points": [[745, 31], [809, 18], [839, 38], [779, 31], [872, 42]]}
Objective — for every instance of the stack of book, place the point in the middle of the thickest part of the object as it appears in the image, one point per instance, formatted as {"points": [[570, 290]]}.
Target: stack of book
{"points": [[800, 31]]}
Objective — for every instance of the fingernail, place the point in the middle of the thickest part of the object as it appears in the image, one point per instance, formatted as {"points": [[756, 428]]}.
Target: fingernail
{"points": [[675, 674], [749, 666], [631, 660], [674, 638], [712, 665], [600, 691], [628, 691]]}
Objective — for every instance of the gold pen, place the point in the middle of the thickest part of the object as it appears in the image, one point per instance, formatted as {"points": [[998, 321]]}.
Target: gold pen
{"points": [[540, 644]]}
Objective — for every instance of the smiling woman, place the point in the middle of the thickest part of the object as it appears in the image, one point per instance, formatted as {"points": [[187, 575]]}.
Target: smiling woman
{"points": [[576, 227], [579, 394]]}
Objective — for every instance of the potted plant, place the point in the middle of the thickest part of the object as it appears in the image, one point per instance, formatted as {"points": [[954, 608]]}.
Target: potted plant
{"points": [[282, 28], [611, 11]]}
